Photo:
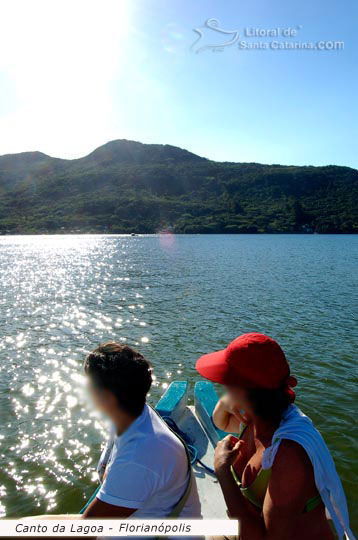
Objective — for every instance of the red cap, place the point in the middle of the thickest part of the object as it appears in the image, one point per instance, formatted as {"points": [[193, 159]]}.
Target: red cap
{"points": [[251, 360]]}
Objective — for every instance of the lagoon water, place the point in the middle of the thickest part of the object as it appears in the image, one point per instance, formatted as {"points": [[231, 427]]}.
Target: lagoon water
{"points": [[173, 297]]}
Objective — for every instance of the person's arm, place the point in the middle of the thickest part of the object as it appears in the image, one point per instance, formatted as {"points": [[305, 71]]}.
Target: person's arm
{"points": [[126, 487], [100, 509], [227, 416], [285, 497]]}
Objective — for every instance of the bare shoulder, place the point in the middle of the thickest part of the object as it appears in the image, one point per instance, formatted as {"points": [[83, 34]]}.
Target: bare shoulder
{"points": [[292, 475], [290, 485], [291, 454]]}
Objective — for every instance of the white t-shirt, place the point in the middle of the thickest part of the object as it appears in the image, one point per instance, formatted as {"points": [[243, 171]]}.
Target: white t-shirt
{"points": [[148, 470]]}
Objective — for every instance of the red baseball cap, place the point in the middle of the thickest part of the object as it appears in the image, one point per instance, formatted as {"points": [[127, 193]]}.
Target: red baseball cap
{"points": [[252, 360]]}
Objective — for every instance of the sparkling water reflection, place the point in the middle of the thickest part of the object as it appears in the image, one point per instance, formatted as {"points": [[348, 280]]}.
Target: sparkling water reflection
{"points": [[174, 298]]}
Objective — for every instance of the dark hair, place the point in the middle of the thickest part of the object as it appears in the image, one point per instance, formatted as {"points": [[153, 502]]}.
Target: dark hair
{"points": [[122, 370], [269, 404]]}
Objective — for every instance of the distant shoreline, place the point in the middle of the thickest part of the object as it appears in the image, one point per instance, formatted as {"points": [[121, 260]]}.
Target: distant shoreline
{"points": [[131, 235], [126, 187]]}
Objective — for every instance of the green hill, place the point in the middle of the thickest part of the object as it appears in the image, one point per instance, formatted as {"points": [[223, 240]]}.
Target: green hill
{"points": [[126, 186]]}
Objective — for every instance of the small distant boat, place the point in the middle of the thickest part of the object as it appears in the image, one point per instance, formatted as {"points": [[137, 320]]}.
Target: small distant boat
{"points": [[195, 422], [133, 234]]}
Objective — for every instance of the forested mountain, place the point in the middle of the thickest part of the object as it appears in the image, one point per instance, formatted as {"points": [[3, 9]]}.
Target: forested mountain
{"points": [[126, 186]]}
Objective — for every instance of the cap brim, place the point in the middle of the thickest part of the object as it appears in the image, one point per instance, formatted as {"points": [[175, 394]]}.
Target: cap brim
{"points": [[214, 367]]}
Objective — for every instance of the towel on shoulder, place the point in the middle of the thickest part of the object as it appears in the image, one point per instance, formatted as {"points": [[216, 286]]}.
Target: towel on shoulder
{"points": [[296, 426]]}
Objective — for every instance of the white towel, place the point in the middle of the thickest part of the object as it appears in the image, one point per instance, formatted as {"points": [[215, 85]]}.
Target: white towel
{"points": [[297, 427]]}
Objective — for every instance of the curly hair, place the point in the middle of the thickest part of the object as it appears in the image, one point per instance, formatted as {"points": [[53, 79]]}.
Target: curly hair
{"points": [[123, 371]]}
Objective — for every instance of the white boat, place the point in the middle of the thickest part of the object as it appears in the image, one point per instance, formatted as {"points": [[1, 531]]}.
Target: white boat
{"points": [[195, 422]]}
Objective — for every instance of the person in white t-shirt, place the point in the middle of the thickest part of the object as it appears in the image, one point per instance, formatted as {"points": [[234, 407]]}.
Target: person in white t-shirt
{"points": [[145, 471]]}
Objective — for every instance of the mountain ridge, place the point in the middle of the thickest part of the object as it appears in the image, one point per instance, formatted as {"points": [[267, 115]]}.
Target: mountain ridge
{"points": [[128, 186], [114, 141], [99, 148]]}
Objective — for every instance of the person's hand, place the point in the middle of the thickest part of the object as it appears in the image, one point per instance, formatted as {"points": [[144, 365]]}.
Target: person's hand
{"points": [[234, 409], [228, 450]]}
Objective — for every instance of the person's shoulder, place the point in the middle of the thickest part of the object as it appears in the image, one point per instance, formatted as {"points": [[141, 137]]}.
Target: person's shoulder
{"points": [[291, 470], [292, 475], [134, 460], [159, 430], [153, 441], [164, 445], [291, 453]]}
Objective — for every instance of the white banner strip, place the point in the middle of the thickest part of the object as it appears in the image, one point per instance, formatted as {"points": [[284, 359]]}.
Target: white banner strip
{"points": [[117, 527]]}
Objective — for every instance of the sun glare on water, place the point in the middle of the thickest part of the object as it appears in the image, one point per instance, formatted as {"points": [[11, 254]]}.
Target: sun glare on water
{"points": [[58, 61]]}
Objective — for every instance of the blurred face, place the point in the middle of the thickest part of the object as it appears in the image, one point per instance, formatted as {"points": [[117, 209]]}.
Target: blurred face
{"points": [[238, 396], [103, 399]]}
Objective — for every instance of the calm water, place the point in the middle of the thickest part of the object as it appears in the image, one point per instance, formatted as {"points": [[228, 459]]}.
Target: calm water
{"points": [[174, 298]]}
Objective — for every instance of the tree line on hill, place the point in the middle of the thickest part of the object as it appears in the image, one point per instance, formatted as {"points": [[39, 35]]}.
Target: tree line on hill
{"points": [[125, 187]]}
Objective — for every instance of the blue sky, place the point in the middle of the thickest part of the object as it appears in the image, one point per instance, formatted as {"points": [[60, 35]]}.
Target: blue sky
{"points": [[74, 75]]}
